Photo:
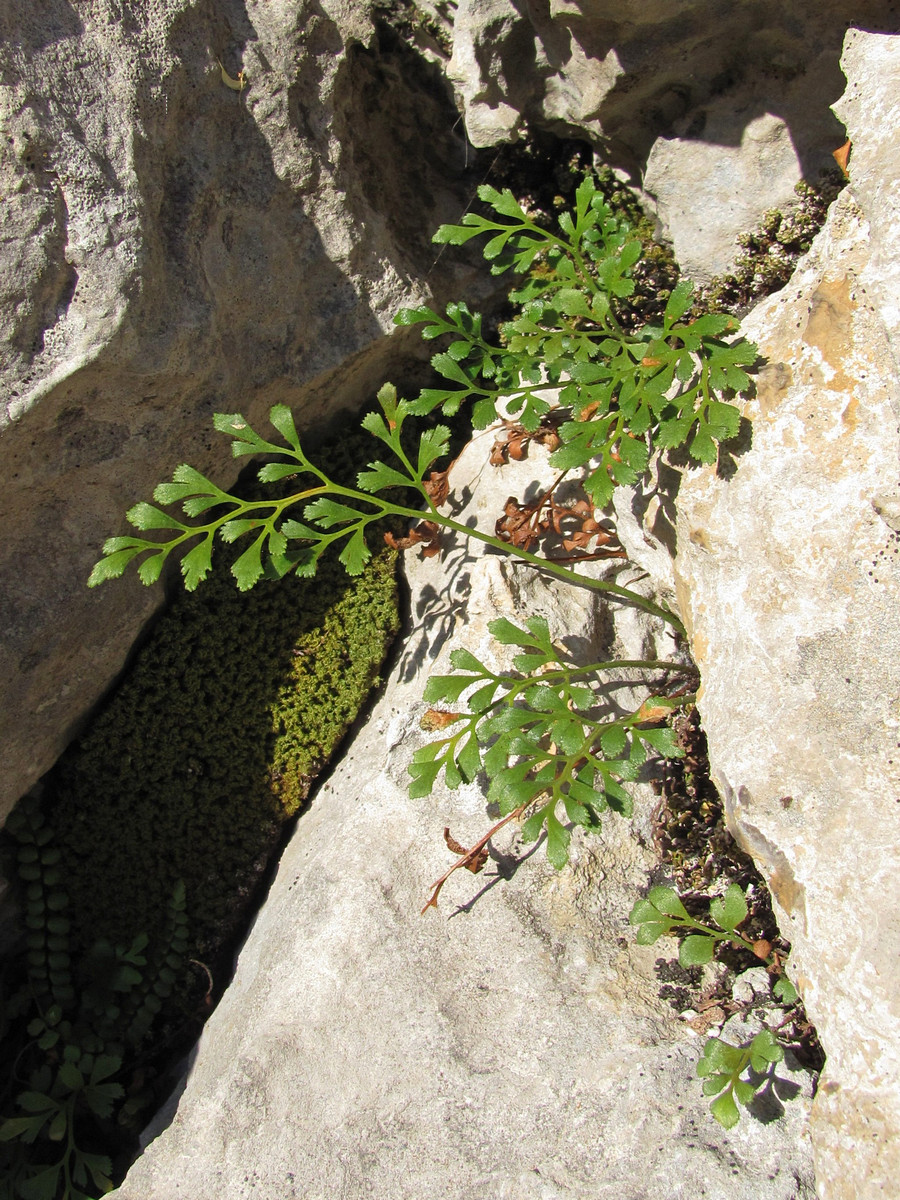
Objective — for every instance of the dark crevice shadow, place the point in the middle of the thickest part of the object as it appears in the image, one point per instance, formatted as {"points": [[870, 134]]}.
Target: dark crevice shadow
{"points": [[218, 189], [386, 93], [214, 183], [211, 322], [225, 965]]}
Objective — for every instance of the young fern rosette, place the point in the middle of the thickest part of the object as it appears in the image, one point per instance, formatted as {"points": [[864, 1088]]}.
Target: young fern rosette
{"points": [[661, 386], [543, 734], [721, 1067]]}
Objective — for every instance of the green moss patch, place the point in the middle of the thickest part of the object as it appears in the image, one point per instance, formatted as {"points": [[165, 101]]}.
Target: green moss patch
{"points": [[231, 708]]}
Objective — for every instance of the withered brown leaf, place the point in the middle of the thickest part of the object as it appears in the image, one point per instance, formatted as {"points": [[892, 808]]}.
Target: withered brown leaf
{"points": [[436, 718], [437, 485], [478, 858], [514, 440], [426, 534], [842, 156]]}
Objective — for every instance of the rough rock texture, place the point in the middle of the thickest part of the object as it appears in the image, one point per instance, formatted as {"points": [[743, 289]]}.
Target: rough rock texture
{"points": [[171, 247], [707, 191], [788, 570], [514, 1043], [717, 110]]}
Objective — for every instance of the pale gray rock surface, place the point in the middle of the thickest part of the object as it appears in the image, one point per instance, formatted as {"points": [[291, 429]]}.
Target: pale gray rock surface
{"points": [[171, 247], [715, 111], [788, 572], [514, 1043], [706, 192]]}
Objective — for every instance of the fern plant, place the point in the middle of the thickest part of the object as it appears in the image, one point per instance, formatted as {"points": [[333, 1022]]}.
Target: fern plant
{"points": [[75, 1030], [553, 752], [625, 393]]}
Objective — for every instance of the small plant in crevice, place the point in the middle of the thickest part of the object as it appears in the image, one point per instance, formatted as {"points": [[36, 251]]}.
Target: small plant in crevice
{"points": [[737, 927], [605, 390], [722, 1066], [76, 1024], [661, 914], [663, 386]]}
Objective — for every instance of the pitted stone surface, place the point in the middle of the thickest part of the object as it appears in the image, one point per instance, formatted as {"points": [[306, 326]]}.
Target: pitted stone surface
{"points": [[789, 576]]}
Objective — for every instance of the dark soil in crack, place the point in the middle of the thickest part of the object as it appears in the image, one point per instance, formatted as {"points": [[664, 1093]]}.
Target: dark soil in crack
{"points": [[700, 859]]}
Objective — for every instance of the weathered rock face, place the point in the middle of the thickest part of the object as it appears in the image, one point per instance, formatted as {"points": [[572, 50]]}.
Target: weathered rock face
{"points": [[171, 247], [514, 1043], [716, 111], [789, 578]]}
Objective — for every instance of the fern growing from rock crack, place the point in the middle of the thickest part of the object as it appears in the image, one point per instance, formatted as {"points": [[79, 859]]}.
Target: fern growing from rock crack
{"points": [[552, 752], [543, 734], [625, 393]]}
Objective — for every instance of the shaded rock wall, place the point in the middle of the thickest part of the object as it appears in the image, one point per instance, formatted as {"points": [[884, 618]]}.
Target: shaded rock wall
{"points": [[716, 111], [171, 248]]}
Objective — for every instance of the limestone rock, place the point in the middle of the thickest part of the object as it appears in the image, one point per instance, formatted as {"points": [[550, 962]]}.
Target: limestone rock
{"points": [[788, 570], [706, 192], [171, 247], [717, 112], [514, 1043]]}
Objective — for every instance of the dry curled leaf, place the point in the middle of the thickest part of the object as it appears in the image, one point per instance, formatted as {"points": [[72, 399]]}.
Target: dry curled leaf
{"points": [[519, 526], [498, 454], [702, 1022], [426, 534], [574, 522], [437, 485], [436, 718], [651, 710], [475, 859], [236, 85], [469, 856], [514, 439], [842, 156]]}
